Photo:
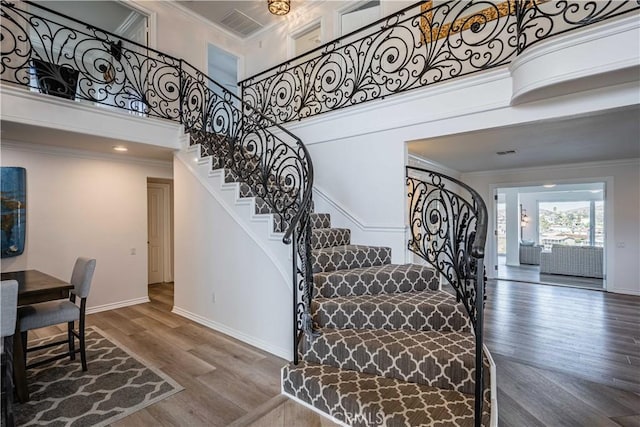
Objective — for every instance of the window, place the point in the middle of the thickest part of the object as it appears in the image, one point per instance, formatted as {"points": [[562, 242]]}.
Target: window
{"points": [[571, 223]]}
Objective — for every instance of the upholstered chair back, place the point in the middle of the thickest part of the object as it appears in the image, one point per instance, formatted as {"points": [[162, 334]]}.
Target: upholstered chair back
{"points": [[9, 295], [82, 276]]}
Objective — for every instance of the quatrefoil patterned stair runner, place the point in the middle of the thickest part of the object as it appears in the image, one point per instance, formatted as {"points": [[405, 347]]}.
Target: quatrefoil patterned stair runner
{"points": [[393, 350]]}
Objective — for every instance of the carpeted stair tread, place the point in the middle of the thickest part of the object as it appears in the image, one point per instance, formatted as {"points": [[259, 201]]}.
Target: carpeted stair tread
{"points": [[437, 359], [320, 220], [387, 279], [419, 311], [218, 147], [360, 399], [328, 237], [258, 190], [349, 256]]}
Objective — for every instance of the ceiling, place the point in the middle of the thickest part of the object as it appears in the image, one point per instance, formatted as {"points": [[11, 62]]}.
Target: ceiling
{"points": [[108, 15], [610, 135], [70, 140], [236, 16]]}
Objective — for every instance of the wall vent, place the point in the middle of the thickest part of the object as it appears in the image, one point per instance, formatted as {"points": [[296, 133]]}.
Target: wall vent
{"points": [[240, 23]]}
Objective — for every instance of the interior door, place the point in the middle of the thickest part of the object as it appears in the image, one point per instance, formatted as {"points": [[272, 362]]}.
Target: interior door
{"points": [[155, 236]]}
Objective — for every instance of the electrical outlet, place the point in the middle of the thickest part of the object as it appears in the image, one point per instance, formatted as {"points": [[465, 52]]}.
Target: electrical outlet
{"points": [[133, 251]]}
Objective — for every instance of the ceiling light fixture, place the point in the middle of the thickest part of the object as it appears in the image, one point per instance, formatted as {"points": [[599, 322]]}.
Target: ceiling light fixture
{"points": [[120, 148], [549, 185], [279, 7]]}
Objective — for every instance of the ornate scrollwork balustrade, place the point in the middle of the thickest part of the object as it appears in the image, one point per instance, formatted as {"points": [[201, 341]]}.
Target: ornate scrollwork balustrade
{"points": [[58, 55], [55, 54], [416, 47], [448, 227]]}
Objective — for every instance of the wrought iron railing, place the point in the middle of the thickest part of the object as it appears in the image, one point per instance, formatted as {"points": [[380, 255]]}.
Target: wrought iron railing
{"points": [[415, 47], [448, 226], [55, 54]]}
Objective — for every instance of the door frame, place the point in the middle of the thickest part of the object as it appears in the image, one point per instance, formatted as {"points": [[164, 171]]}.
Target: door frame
{"points": [[609, 244], [166, 185]]}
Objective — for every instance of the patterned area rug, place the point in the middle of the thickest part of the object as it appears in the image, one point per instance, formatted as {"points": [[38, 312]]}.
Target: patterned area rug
{"points": [[117, 384]]}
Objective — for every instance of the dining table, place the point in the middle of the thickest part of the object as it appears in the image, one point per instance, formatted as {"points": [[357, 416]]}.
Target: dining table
{"points": [[33, 287]]}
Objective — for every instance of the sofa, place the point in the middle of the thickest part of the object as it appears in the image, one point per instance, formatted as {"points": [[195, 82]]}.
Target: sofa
{"points": [[530, 253], [584, 261]]}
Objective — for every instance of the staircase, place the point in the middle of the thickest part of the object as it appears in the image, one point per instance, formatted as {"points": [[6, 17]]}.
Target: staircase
{"points": [[374, 343], [393, 349], [390, 347]]}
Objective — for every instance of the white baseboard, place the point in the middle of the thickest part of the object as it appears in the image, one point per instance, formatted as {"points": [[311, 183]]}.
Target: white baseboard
{"points": [[114, 305], [494, 387], [256, 342], [624, 291]]}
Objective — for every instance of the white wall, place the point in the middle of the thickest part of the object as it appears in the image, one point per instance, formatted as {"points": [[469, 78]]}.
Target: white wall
{"points": [[272, 45], [623, 198], [352, 177], [79, 204], [185, 36], [215, 255]]}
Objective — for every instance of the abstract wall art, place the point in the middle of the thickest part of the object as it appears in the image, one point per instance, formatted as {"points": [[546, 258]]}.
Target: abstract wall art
{"points": [[13, 201]]}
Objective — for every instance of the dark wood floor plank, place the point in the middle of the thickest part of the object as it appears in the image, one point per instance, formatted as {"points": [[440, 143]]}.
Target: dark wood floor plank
{"points": [[545, 399], [564, 356], [630, 421]]}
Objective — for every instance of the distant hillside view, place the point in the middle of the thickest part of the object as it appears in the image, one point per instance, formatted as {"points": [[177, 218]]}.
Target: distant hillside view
{"points": [[570, 223]]}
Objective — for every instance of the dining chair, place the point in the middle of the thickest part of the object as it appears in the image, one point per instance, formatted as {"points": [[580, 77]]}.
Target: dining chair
{"points": [[9, 304], [51, 313]]}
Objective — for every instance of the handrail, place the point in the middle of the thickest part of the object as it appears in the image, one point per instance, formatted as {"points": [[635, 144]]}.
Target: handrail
{"points": [[89, 26], [306, 200], [334, 42], [413, 50], [97, 66], [448, 225]]}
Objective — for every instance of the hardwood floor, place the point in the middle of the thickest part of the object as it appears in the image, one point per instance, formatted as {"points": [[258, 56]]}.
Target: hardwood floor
{"points": [[565, 357]]}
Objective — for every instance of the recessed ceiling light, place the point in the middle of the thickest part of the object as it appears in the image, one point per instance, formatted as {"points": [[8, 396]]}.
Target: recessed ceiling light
{"points": [[120, 148], [549, 185], [504, 153]]}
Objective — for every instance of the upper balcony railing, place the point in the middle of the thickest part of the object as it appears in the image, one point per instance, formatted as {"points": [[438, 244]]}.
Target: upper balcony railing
{"points": [[61, 56], [418, 46]]}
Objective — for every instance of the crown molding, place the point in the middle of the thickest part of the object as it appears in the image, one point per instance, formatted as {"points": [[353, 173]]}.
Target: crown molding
{"points": [[430, 163], [585, 165]]}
